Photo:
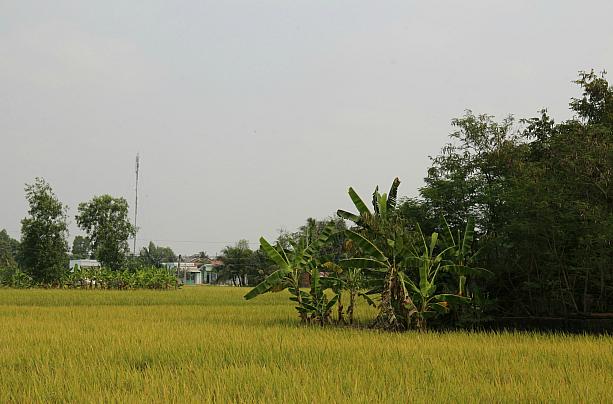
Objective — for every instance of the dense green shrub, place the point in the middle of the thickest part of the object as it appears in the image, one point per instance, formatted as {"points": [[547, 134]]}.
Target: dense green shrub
{"points": [[104, 278], [14, 277]]}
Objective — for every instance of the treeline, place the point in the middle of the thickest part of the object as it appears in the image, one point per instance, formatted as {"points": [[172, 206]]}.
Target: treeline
{"points": [[243, 266], [41, 257], [515, 218], [95, 278], [542, 200]]}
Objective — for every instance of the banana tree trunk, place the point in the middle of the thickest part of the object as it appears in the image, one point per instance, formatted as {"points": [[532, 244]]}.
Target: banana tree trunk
{"points": [[352, 294], [341, 317], [296, 282], [387, 319]]}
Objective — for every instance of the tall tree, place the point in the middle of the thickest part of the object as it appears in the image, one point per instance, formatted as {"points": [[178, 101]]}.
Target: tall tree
{"points": [[153, 255], [80, 248], [43, 248], [105, 221], [311, 230], [9, 248], [543, 203], [238, 263]]}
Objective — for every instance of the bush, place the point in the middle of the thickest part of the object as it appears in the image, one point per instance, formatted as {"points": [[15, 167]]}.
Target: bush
{"points": [[104, 278], [13, 277]]}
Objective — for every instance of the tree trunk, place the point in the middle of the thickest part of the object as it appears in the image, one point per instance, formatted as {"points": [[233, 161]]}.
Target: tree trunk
{"points": [[303, 316], [341, 317], [387, 319], [352, 294]]}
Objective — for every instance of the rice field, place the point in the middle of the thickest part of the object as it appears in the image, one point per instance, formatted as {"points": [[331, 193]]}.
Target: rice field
{"points": [[206, 344]]}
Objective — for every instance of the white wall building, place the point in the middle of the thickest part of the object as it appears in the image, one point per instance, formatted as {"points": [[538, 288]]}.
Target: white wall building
{"points": [[187, 272], [83, 263]]}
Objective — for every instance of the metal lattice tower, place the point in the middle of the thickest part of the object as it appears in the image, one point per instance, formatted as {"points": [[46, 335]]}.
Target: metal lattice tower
{"points": [[136, 201]]}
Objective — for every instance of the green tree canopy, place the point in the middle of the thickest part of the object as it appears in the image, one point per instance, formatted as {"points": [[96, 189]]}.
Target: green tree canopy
{"points": [[80, 248], [238, 262], [9, 248], [542, 197], [153, 255], [43, 248], [105, 221]]}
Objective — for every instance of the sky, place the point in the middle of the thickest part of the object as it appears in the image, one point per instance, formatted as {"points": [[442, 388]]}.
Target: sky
{"points": [[250, 116]]}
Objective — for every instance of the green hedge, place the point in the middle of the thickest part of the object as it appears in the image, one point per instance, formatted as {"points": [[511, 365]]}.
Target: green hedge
{"points": [[102, 278]]}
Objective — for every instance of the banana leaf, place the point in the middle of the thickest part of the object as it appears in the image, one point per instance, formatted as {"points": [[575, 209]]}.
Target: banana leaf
{"points": [[451, 298], [267, 284], [362, 263], [274, 255], [367, 298], [366, 246], [332, 302], [359, 203], [393, 194], [469, 234], [349, 216], [375, 200]]}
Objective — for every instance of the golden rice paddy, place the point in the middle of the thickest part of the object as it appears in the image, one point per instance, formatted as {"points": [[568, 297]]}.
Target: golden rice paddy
{"points": [[207, 344]]}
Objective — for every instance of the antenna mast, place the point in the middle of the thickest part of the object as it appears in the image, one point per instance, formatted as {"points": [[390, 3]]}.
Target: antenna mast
{"points": [[136, 201]]}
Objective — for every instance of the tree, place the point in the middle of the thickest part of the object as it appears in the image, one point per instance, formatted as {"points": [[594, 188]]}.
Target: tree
{"points": [[155, 255], [80, 248], [262, 266], [105, 221], [9, 248], [542, 199], [400, 263], [43, 249], [238, 263]]}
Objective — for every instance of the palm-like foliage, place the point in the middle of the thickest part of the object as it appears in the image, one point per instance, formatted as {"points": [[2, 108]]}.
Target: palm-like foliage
{"points": [[315, 305], [350, 279], [237, 263], [105, 278], [292, 266], [392, 260], [400, 265], [381, 238], [12, 276], [384, 206], [461, 256], [423, 301]]}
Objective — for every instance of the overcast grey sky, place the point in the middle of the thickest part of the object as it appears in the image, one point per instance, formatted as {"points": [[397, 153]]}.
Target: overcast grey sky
{"points": [[251, 116]]}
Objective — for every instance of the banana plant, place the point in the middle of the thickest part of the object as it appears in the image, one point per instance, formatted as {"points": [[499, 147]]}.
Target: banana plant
{"points": [[336, 283], [354, 280], [400, 265], [383, 206], [422, 300], [347, 279], [292, 265], [383, 270], [380, 239], [315, 305], [461, 256]]}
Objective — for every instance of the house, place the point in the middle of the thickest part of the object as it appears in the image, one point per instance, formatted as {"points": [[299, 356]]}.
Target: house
{"points": [[192, 276], [209, 274], [198, 271], [188, 272], [84, 264]]}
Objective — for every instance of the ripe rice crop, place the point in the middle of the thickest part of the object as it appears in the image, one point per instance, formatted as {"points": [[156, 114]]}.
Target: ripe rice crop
{"points": [[206, 344]]}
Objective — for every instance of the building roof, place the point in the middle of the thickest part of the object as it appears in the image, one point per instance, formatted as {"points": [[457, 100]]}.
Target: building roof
{"points": [[84, 263]]}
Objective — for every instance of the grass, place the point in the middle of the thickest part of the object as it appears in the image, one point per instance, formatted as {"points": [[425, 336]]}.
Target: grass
{"points": [[206, 344]]}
